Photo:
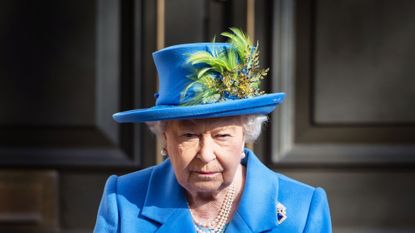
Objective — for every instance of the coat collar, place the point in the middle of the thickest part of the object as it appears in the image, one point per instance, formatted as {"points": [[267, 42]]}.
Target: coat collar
{"points": [[166, 203], [257, 207]]}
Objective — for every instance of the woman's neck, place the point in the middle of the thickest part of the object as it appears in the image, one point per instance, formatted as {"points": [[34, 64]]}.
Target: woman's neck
{"points": [[206, 206]]}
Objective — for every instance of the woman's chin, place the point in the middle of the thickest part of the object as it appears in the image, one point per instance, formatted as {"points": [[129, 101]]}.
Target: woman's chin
{"points": [[206, 186]]}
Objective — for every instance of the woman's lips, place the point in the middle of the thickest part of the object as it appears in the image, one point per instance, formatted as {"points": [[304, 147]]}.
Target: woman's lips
{"points": [[206, 173]]}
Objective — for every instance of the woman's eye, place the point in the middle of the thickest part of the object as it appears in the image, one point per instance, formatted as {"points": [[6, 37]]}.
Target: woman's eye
{"points": [[225, 135], [188, 135]]}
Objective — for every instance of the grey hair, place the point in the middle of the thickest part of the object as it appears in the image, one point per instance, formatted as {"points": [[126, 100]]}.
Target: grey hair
{"points": [[252, 125]]}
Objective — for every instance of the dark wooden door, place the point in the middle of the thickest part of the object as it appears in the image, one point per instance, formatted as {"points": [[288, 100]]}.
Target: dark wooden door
{"points": [[65, 68]]}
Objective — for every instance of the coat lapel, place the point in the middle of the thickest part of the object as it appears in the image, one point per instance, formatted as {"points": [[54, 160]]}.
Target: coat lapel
{"points": [[257, 209], [165, 201]]}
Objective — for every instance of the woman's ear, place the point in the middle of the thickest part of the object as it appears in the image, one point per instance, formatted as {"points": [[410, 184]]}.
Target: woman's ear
{"points": [[243, 148], [163, 152], [164, 139]]}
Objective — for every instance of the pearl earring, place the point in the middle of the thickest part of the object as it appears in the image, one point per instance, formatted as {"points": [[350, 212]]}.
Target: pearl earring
{"points": [[163, 152]]}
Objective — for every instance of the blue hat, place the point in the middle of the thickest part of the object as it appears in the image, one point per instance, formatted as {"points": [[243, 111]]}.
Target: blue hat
{"points": [[206, 80]]}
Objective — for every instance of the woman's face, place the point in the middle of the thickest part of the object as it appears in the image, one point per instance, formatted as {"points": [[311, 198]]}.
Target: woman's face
{"points": [[205, 153]]}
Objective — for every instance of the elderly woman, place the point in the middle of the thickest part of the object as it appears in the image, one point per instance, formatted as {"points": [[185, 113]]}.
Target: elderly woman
{"points": [[208, 106]]}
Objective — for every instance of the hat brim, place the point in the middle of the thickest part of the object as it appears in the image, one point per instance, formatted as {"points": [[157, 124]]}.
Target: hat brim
{"points": [[263, 104]]}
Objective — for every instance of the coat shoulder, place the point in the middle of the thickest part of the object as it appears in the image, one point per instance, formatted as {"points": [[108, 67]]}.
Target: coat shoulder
{"points": [[286, 182], [137, 178], [122, 202], [294, 192], [134, 185], [306, 206]]}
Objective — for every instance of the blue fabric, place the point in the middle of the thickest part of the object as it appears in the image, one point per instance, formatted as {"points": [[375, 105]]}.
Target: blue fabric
{"points": [[173, 73], [151, 200]]}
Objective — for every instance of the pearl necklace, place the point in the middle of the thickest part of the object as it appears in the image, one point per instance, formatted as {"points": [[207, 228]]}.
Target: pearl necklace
{"points": [[218, 224]]}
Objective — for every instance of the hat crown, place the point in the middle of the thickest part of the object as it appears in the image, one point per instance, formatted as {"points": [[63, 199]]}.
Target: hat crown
{"points": [[174, 70], [206, 80]]}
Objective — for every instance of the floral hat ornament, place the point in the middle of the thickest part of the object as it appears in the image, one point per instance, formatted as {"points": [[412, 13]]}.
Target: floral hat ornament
{"points": [[206, 80], [226, 74]]}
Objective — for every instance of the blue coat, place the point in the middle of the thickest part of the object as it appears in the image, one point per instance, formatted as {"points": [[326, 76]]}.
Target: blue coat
{"points": [[151, 200]]}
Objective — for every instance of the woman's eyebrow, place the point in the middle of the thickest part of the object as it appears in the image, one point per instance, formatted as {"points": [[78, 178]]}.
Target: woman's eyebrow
{"points": [[187, 128], [225, 128]]}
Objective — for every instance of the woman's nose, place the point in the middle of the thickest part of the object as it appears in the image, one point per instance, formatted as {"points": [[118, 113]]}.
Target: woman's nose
{"points": [[206, 153]]}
